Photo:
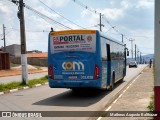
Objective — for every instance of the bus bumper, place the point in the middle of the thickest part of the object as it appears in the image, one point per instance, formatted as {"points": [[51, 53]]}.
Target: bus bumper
{"points": [[74, 83]]}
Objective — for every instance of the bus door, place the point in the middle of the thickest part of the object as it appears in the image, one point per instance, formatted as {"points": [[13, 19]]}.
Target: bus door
{"points": [[108, 64]]}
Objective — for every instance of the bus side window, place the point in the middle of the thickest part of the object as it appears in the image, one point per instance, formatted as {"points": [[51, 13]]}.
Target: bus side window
{"points": [[108, 52]]}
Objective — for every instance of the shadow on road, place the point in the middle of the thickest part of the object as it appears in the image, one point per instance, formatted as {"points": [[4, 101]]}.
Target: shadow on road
{"points": [[80, 98]]}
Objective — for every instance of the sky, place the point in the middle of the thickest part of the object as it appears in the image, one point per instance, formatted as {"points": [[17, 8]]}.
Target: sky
{"points": [[132, 18]]}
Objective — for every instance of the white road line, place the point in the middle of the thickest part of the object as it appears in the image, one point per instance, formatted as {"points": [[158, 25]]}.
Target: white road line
{"points": [[120, 96], [124, 91], [99, 118], [115, 101], [127, 87], [108, 108]]}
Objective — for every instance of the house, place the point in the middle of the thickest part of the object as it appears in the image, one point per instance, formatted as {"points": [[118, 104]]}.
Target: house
{"points": [[13, 50]]}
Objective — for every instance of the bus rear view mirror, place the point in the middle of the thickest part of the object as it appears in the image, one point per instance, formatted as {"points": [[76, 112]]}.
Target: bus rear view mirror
{"points": [[127, 53]]}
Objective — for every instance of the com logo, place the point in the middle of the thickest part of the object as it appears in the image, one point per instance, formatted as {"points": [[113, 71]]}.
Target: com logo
{"points": [[73, 66]]}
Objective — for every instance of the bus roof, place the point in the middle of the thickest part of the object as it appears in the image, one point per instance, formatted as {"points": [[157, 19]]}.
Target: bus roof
{"points": [[102, 34], [83, 31], [73, 32]]}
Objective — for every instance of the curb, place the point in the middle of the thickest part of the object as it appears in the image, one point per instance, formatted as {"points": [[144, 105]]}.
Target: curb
{"points": [[23, 88], [117, 95]]}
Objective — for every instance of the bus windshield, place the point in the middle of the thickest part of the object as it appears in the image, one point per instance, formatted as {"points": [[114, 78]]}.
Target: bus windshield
{"points": [[73, 41]]}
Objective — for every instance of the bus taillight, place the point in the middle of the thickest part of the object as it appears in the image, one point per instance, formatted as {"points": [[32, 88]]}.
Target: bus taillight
{"points": [[96, 72], [50, 72]]}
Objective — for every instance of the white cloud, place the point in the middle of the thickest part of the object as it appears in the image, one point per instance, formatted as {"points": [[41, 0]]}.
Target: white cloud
{"points": [[4, 9], [143, 4], [124, 4], [57, 3], [92, 18], [113, 14]]}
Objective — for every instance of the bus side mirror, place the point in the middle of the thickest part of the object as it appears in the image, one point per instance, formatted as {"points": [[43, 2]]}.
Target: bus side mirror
{"points": [[127, 53]]}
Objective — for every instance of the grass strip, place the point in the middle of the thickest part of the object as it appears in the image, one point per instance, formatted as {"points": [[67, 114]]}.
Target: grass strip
{"points": [[151, 104], [14, 85]]}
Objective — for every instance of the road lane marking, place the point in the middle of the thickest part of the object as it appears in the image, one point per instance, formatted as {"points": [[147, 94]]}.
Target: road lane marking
{"points": [[99, 118], [105, 110], [115, 101], [124, 91], [108, 108], [120, 96]]}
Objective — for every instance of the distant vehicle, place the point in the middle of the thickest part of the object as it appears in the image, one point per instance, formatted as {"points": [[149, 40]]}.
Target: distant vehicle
{"points": [[85, 59], [133, 64]]}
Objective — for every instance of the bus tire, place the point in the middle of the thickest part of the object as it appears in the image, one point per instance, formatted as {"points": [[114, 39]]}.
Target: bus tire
{"points": [[121, 80], [75, 89], [113, 80]]}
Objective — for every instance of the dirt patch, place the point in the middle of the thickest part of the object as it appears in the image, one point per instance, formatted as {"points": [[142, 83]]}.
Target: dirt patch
{"points": [[17, 70]]}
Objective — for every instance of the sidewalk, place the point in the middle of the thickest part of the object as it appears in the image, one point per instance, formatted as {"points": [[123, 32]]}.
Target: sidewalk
{"points": [[135, 97]]}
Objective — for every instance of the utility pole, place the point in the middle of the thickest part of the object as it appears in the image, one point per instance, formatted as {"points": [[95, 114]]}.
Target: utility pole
{"points": [[157, 58], [131, 46], [140, 58], [4, 38], [100, 23], [138, 55], [135, 52], [122, 37], [23, 43]]}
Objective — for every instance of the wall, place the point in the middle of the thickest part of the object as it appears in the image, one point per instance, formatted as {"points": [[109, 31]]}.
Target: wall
{"points": [[13, 50], [32, 61], [4, 61]]}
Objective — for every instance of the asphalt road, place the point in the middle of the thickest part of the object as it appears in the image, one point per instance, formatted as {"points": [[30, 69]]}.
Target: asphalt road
{"points": [[18, 78], [44, 98]]}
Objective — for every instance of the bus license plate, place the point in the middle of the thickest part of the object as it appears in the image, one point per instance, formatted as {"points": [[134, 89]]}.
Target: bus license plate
{"points": [[72, 77]]}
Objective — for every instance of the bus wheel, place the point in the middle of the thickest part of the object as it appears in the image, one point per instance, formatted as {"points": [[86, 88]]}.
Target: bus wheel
{"points": [[113, 80], [75, 89], [121, 80]]}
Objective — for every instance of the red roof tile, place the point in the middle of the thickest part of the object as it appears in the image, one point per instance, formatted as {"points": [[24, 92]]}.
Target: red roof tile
{"points": [[37, 55]]}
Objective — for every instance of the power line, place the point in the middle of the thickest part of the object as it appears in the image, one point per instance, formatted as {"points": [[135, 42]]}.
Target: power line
{"points": [[41, 14], [45, 16], [94, 11], [61, 15], [16, 29], [86, 7]]}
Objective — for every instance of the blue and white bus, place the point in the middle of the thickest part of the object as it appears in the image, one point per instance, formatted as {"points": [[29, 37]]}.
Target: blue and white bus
{"points": [[84, 59]]}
